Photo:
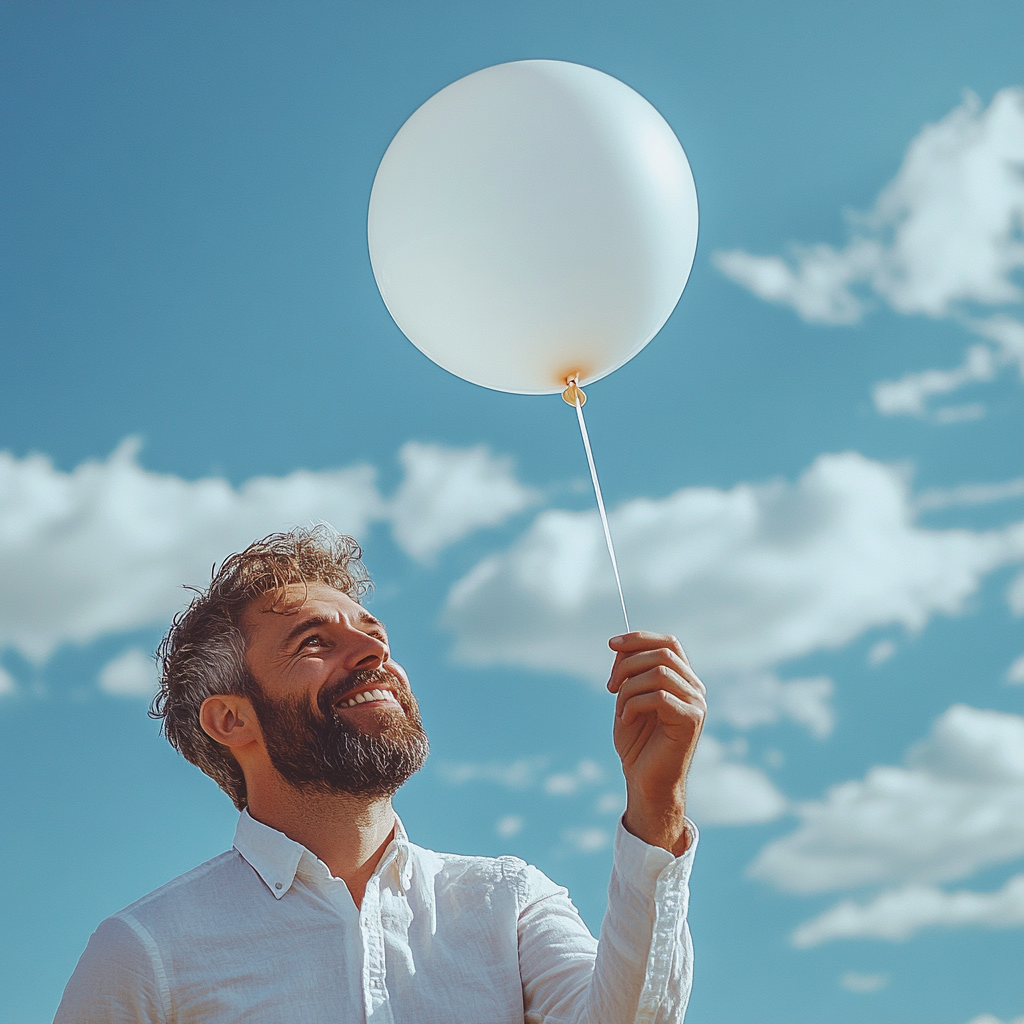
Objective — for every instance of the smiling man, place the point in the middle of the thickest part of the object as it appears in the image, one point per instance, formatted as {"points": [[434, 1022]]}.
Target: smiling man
{"points": [[280, 686]]}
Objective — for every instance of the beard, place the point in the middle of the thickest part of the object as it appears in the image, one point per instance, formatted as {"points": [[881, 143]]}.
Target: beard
{"points": [[316, 749]]}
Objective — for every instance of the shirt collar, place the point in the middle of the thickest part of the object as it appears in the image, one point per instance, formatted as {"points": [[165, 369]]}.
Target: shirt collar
{"points": [[275, 857]]}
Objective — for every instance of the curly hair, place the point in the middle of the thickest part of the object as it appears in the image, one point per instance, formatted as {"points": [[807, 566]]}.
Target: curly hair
{"points": [[204, 651]]}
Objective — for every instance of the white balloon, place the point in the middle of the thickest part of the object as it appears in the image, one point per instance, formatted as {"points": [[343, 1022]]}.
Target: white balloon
{"points": [[532, 221]]}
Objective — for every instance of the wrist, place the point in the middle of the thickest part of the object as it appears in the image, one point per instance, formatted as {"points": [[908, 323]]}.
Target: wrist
{"points": [[662, 824]]}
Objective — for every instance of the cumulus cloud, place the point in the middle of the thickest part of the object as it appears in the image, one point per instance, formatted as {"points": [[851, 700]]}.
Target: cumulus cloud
{"points": [[131, 674], [8, 687], [897, 914], [944, 231], [722, 790], [106, 547], [586, 773], [957, 805], [1015, 673], [508, 826], [988, 1018], [586, 840], [449, 492], [748, 578], [942, 240]]}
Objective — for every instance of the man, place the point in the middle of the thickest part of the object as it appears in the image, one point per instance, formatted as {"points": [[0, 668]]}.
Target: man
{"points": [[278, 684]]}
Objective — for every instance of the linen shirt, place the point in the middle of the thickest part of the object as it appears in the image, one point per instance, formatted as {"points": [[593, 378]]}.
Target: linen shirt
{"points": [[264, 933]]}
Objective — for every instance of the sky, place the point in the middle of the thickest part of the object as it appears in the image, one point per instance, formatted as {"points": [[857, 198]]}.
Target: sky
{"points": [[813, 473]]}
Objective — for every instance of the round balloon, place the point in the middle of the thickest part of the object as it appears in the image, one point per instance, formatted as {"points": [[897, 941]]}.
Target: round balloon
{"points": [[532, 222]]}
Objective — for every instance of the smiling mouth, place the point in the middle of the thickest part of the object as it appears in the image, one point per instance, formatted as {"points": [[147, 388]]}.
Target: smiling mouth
{"points": [[376, 695]]}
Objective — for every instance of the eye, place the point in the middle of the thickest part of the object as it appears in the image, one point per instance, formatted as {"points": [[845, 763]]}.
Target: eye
{"points": [[312, 641]]}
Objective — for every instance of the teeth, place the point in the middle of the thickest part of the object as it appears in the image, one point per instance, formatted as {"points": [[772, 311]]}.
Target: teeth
{"points": [[369, 695]]}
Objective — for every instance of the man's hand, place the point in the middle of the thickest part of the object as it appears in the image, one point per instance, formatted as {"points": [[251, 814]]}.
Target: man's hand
{"points": [[659, 713]]}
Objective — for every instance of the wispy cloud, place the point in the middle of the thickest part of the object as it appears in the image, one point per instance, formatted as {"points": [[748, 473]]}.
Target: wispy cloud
{"points": [[897, 914], [131, 674]]}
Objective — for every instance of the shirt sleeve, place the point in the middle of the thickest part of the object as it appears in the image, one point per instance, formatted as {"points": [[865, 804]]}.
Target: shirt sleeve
{"points": [[642, 969], [118, 979]]}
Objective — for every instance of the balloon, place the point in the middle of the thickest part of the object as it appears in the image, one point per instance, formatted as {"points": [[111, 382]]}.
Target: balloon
{"points": [[530, 222]]}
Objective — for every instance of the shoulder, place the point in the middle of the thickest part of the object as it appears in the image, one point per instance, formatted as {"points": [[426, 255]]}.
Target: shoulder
{"points": [[487, 875], [187, 898]]}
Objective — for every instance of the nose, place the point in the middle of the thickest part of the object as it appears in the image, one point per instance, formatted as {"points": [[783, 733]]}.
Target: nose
{"points": [[363, 651]]}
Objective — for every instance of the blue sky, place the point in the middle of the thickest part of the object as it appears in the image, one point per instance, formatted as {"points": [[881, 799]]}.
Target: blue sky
{"points": [[813, 472]]}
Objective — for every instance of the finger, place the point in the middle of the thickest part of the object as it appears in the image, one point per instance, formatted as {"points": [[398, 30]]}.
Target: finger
{"points": [[636, 664], [658, 680], [668, 708], [641, 640]]}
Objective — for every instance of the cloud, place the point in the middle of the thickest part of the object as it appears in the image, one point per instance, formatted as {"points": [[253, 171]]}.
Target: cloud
{"points": [[898, 914], [107, 547], [449, 492], [131, 674], [881, 653], [863, 984], [508, 826], [970, 494], [586, 840], [956, 806], [1015, 673], [909, 395], [748, 578], [943, 239], [8, 687], [723, 791], [988, 1018], [520, 774], [944, 232], [587, 772]]}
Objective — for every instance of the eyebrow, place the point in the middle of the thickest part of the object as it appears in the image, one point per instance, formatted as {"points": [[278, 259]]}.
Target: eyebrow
{"points": [[315, 621]]}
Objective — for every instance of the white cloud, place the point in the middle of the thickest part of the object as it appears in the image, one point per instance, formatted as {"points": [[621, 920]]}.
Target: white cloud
{"points": [[945, 231], [449, 492], [107, 547], [762, 699], [586, 840], [897, 914], [988, 1018], [131, 674], [8, 687], [909, 395], [748, 578], [587, 772], [863, 983], [520, 774], [611, 803], [723, 791], [881, 653], [970, 494], [1015, 673], [943, 238], [1015, 595], [508, 826], [957, 806]]}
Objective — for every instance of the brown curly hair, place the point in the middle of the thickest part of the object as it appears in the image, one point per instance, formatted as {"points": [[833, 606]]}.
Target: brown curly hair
{"points": [[204, 651]]}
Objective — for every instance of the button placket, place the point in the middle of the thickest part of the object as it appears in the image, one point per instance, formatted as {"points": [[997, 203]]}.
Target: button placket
{"points": [[375, 993]]}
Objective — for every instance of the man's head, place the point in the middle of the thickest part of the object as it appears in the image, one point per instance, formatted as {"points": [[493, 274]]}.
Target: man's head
{"points": [[280, 635]]}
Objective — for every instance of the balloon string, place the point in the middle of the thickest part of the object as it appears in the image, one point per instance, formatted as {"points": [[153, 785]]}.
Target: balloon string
{"points": [[600, 500]]}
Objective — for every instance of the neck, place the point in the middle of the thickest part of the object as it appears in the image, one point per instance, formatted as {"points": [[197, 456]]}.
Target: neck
{"points": [[348, 833]]}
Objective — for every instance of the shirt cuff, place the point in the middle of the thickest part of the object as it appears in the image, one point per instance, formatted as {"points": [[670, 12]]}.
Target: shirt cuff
{"points": [[642, 865]]}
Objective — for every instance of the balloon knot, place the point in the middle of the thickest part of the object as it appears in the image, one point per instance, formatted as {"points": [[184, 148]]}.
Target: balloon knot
{"points": [[573, 394]]}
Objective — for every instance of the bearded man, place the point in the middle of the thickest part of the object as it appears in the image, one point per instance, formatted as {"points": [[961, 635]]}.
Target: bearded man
{"points": [[279, 685]]}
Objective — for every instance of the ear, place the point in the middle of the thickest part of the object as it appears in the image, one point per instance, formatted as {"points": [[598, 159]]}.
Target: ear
{"points": [[229, 719]]}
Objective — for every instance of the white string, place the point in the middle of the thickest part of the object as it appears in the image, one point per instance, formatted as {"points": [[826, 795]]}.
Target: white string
{"points": [[600, 502]]}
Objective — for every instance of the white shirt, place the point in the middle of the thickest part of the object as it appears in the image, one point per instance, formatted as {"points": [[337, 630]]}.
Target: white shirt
{"points": [[264, 933]]}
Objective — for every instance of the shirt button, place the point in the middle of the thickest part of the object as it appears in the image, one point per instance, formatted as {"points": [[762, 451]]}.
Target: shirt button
{"points": [[277, 885]]}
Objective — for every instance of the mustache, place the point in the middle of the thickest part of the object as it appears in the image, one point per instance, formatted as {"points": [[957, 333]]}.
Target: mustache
{"points": [[333, 692]]}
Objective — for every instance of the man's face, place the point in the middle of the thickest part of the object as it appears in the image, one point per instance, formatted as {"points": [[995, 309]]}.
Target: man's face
{"points": [[336, 713]]}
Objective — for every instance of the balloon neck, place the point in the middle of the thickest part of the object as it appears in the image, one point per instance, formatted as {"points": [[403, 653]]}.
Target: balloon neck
{"points": [[573, 394]]}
